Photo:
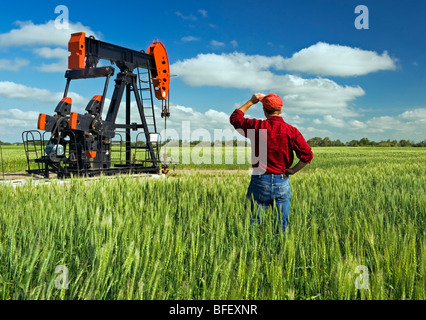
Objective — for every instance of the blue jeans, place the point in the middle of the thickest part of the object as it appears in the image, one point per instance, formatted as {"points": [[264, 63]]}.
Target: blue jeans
{"points": [[270, 190]]}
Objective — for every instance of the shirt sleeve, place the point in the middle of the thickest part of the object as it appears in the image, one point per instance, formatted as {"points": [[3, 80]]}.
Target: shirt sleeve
{"points": [[302, 149], [242, 124]]}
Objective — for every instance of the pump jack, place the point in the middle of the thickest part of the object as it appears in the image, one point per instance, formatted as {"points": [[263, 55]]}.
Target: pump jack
{"points": [[86, 144]]}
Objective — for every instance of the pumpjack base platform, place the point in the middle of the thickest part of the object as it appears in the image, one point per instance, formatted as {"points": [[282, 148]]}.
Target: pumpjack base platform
{"points": [[21, 179]]}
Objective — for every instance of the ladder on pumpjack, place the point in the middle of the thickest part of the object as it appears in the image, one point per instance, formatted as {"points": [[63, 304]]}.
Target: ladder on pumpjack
{"points": [[145, 85], [141, 149]]}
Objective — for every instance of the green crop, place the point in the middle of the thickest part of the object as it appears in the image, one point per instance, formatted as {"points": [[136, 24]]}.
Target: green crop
{"points": [[188, 236]]}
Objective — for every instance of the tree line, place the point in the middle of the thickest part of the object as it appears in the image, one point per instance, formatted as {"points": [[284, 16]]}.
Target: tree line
{"points": [[364, 142], [200, 143], [313, 142]]}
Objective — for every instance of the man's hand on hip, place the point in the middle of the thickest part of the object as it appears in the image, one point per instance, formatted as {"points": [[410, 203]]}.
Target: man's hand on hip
{"points": [[299, 166]]}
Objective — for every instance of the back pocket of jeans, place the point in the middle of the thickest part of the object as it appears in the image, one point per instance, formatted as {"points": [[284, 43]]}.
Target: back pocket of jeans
{"points": [[283, 192]]}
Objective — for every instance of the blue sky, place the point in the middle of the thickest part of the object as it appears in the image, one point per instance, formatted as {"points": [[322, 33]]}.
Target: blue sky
{"points": [[335, 80]]}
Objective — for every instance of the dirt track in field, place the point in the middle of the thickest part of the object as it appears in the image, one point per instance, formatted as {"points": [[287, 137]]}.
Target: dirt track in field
{"points": [[206, 171], [18, 176], [171, 173]]}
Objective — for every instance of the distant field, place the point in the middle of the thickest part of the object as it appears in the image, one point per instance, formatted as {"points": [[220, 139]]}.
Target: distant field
{"points": [[188, 236], [13, 159], [231, 158]]}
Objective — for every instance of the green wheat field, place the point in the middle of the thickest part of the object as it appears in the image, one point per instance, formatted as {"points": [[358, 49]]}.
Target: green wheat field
{"points": [[188, 235]]}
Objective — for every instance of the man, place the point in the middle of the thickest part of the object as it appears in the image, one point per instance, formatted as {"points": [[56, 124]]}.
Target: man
{"points": [[269, 184]]}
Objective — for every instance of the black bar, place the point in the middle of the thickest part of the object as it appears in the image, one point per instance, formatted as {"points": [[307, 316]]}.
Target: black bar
{"points": [[67, 87], [89, 73], [133, 126], [124, 58], [101, 107], [128, 137], [120, 84]]}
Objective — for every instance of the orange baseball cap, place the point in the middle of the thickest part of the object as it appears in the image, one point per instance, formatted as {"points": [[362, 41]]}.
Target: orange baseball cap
{"points": [[272, 102]]}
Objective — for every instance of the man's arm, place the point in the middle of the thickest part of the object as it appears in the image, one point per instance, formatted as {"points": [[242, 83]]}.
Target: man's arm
{"points": [[303, 152], [254, 99], [299, 166], [239, 122]]}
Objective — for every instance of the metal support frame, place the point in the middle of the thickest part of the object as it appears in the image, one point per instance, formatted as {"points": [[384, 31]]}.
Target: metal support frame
{"points": [[94, 131]]}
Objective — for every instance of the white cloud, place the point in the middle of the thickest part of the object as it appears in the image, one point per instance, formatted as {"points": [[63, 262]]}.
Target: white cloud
{"points": [[409, 125], [53, 53], [13, 65], [183, 120], [15, 121], [30, 34], [234, 43], [189, 123], [383, 123], [12, 90], [336, 60], [48, 53], [59, 66], [237, 70], [415, 114], [293, 119], [45, 35], [355, 124], [314, 131], [210, 120], [203, 13], [189, 17], [334, 122], [190, 39], [217, 44]]}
